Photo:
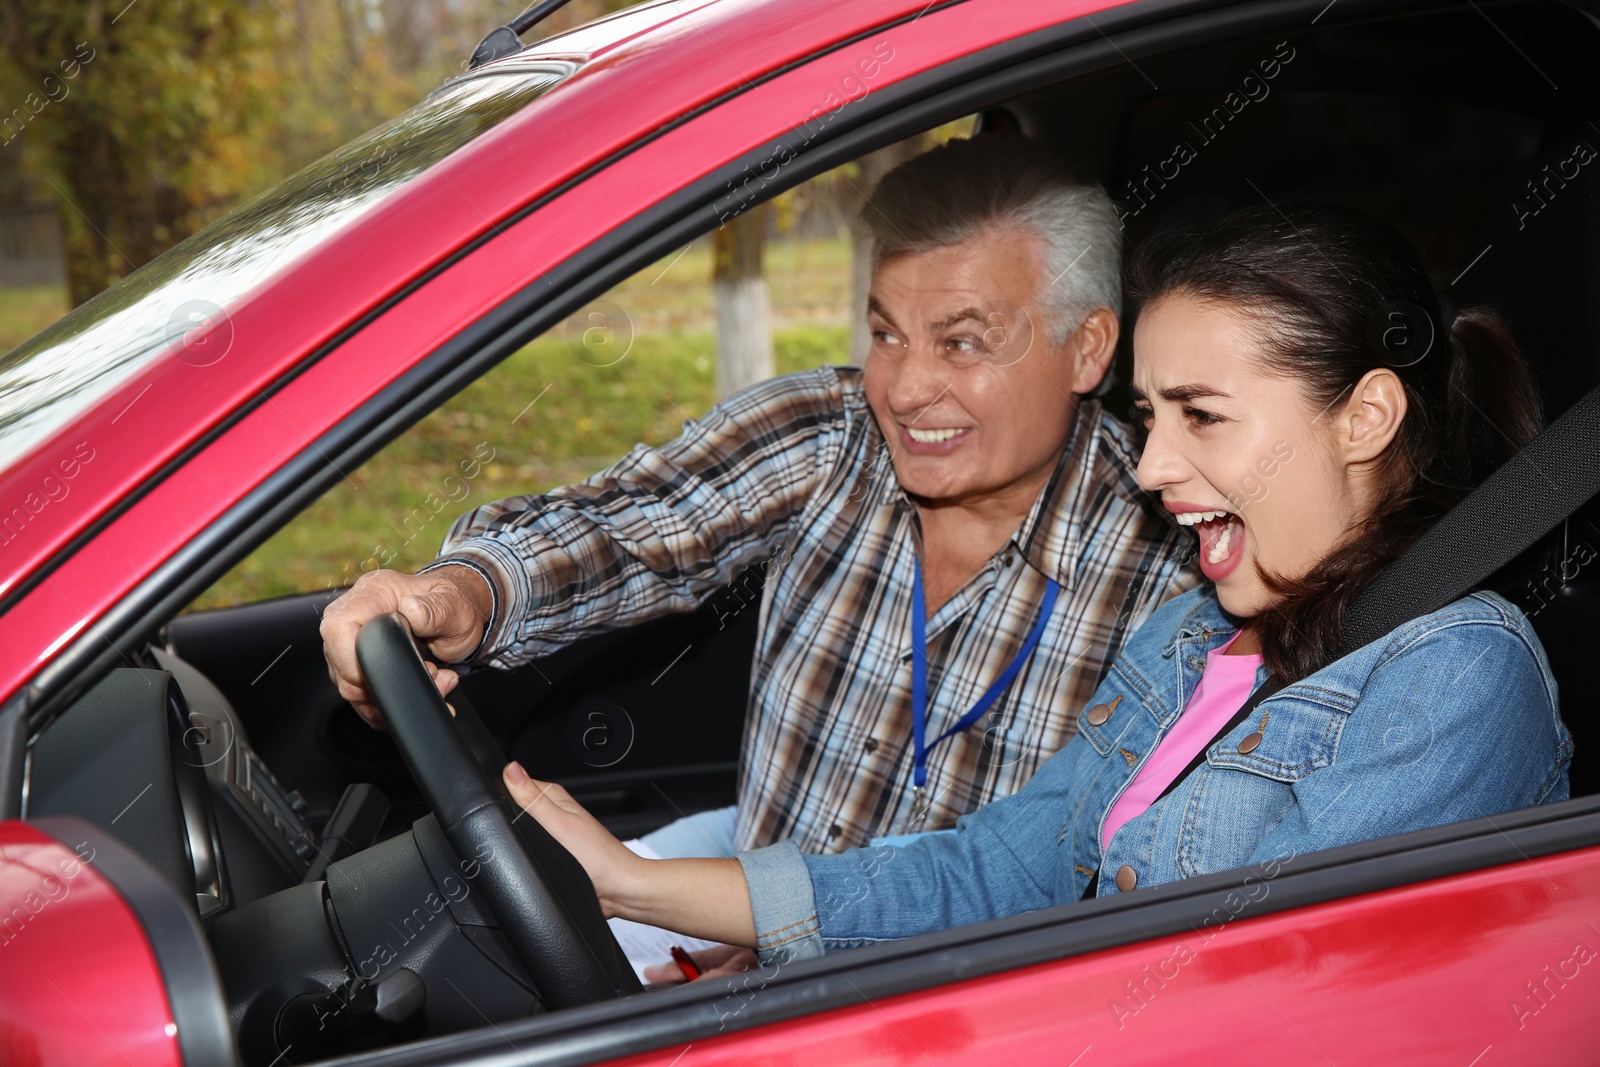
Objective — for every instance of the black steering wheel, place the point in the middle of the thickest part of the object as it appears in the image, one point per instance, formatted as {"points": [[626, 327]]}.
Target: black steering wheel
{"points": [[540, 894]]}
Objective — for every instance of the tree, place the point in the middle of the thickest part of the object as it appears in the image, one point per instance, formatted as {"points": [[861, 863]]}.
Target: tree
{"points": [[744, 330], [142, 120], [150, 119]]}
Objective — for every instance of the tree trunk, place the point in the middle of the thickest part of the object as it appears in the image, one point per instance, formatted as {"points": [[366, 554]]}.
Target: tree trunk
{"points": [[352, 30], [744, 331], [873, 167]]}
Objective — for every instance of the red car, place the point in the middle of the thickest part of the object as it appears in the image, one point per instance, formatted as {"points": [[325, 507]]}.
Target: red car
{"points": [[198, 853]]}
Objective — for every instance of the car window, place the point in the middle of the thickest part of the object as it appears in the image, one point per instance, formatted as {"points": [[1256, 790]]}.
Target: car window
{"points": [[628, 367], [50, 379], [625, 368]]}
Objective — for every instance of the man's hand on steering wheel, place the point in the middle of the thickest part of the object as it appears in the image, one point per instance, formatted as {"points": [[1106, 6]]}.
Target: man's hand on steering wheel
{"points": [[448, 608]]}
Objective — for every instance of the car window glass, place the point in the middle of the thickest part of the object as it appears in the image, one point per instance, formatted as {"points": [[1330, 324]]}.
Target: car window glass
{"points": [[626, 368], [48, 380]]}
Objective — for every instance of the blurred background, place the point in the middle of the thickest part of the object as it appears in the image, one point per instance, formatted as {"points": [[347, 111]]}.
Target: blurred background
{"points": [[127, 126]]}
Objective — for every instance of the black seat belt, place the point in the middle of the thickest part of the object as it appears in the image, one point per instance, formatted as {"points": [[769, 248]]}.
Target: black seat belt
{"points": [[1530, 494], [1552, 476]]}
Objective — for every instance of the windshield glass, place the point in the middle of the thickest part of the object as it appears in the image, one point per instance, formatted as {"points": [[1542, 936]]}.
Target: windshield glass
{"points": [[49, 379]]}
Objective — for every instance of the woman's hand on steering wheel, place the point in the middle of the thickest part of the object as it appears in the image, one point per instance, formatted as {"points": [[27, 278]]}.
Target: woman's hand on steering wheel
{"points": [[610, 864], [705, 898]]}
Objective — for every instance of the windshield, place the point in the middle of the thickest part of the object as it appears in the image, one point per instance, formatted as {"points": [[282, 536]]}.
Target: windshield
{"points": [[46, 381]]}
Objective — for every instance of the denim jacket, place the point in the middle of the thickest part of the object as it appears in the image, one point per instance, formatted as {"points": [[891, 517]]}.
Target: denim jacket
{"points": [[1450, 717]]}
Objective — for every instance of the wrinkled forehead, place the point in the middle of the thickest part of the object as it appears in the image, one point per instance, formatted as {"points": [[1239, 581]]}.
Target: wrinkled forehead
{"points": [[932, 288]]}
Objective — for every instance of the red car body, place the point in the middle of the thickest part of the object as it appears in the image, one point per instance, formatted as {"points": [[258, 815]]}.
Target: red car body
{"points": [[1493, 964]]}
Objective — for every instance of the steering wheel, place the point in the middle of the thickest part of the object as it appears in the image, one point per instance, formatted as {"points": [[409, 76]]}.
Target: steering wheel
{"points": [[539, 893]]}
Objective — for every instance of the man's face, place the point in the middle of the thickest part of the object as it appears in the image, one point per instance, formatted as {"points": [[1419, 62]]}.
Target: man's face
{"points": [[972, 396]]}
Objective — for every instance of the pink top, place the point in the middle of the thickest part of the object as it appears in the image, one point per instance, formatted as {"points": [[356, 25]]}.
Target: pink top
{"points": [[1222, 690]]}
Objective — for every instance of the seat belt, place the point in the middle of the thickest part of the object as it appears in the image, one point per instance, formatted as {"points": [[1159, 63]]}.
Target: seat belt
{"points": [[1552, 476], [1525, 498]]}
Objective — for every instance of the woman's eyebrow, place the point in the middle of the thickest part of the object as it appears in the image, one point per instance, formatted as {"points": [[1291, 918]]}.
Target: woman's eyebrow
{"points": [[1186, 393]]}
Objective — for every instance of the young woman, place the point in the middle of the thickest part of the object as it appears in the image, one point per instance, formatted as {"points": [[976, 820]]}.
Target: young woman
{"points": [[1311, 408]]}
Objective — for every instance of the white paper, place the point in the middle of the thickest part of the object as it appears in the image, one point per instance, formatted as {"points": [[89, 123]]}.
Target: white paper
{"points": [[646, 946]]}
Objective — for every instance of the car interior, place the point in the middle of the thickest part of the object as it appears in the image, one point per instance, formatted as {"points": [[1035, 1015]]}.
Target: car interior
{"points": [[1464, 126]]}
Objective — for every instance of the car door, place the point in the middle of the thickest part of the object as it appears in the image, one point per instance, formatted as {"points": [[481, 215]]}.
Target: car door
{"points": [[1368, 949], [1400, 935]]}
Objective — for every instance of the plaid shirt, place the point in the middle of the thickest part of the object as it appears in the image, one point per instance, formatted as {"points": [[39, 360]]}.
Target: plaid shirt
{"points": [[793, 476]]}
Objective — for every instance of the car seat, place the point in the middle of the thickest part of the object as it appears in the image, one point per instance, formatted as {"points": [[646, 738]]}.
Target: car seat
{"points": [[1536, 256]]}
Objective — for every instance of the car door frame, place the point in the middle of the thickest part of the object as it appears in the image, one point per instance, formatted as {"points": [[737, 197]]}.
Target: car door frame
{"points": [[1452, 862]]}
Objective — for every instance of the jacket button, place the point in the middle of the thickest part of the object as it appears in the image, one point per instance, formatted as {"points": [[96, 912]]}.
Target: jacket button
{"points": [[835, 830], [871, 744], [1098, 714], [1248, 745], [1127, 878]]}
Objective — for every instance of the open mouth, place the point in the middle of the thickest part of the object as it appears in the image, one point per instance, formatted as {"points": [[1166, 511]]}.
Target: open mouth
{"points": [[1221, 536]]}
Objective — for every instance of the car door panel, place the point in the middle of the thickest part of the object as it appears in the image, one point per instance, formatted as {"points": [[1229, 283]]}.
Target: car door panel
{"points": [[1400, 976], [641, 724]]}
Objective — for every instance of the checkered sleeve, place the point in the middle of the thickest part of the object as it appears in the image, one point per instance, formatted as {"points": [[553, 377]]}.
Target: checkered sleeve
{"points": [[660, 530]]}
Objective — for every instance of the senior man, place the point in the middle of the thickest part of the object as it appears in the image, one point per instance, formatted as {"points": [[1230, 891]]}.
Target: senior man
{"points": [[956, 543]]}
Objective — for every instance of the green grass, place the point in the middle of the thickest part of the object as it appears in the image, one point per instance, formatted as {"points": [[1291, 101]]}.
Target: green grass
{"points": [[397, 507], [26, 311]]}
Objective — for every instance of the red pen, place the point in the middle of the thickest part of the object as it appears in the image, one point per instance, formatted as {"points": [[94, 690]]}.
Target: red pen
{"points": [[685, 964]]}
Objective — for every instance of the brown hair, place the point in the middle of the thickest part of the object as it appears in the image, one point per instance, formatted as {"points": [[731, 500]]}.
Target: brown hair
{"points": [[1338, 293]]}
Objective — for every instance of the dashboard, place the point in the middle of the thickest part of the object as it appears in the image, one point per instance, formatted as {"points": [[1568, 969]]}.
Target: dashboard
{"points": [[329, 942], [157, 757]]}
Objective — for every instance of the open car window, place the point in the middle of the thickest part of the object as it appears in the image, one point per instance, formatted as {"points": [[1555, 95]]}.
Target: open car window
{"points": [[628, 367]]}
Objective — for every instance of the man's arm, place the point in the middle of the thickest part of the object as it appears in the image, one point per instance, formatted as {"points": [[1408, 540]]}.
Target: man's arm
{"points": [[448, 608], [656, 533], [662, 529]]}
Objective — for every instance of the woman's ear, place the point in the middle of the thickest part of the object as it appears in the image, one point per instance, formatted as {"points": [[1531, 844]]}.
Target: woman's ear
{"points": [[1091, 347], [1372, 416]]}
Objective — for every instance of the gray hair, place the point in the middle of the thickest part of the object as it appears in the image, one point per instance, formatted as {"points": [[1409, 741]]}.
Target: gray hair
{"points": [[951, 193]]}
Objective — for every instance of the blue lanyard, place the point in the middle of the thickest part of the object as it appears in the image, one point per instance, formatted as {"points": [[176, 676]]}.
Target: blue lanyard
{"points": [[919, 676]]}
